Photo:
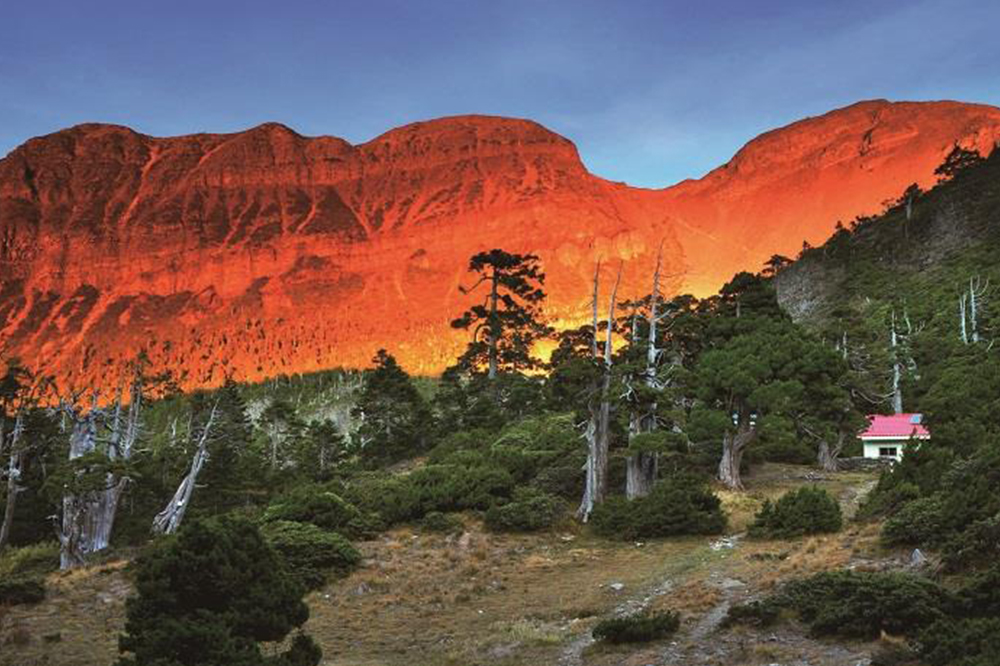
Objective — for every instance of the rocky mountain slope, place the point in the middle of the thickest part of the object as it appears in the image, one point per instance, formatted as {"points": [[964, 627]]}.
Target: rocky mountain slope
{"points": [[266, 252]]}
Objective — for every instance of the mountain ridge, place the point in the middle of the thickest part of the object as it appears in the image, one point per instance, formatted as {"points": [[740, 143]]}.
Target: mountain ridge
{"points": [[264, 252]]}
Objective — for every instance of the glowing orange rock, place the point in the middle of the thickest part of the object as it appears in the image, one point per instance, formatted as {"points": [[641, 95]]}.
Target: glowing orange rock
{"points": [[265, 252]]}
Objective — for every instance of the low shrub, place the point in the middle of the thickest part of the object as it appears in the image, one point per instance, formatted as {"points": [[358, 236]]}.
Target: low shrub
{"points": [[563, 479], [885, 502], [966, 642], [392, 498], [528, 511], [864, 604], [21, 590], [322, 508], [977, 544], [309, 552], [36, 559], [761, 613], [640, 628], [680, 504], [918, 522], [980, 595], [458, 488], [446, 523], [799, 512], [462, 440]]}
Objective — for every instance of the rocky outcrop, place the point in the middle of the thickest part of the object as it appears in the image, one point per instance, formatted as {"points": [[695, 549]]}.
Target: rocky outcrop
{"points": [[266, 252]]}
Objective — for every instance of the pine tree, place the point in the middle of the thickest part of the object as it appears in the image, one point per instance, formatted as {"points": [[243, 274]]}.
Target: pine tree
{"points": [[395, 419], [210, 596], [231, 468], [508, 322]]}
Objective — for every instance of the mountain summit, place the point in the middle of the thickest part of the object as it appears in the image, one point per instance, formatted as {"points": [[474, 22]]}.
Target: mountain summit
{"points": [[266, 252]]}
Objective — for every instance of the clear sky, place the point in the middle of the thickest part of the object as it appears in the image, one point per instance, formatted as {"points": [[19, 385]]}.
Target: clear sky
{"points": [[651, 92]]}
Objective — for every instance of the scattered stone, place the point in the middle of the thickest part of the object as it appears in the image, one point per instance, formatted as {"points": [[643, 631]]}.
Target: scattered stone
{"points": [[917, 558], [617, 587], [725, 543], [504, 650], [731, 583]]}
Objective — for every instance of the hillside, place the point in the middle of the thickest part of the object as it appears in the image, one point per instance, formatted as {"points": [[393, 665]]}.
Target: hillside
{"points": [[449, 516], [266, 252]]}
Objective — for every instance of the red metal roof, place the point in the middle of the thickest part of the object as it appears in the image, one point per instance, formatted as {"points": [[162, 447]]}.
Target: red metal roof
{"points": [[895, 425]]}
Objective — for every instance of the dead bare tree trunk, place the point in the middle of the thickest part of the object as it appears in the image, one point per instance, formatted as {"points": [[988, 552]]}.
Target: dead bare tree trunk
{"points": [[169, 520], [977, 293], [641, 467], [897, 368], [640, 474], [599, 426], [89, 515], [963, 329], [14, 470]]}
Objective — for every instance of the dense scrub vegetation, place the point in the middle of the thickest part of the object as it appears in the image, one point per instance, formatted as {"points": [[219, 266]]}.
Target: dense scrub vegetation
{"points": [[209, 596], [640, 628], [807, 510], [681, 504], [945, 626]]}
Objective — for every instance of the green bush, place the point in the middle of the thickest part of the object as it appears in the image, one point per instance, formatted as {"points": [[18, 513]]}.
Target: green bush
{"points": [[446, 523], [967, 642], [863, 604], [457, 488], [528, 511], [918, 522], [563, 479], [322, 508], [948, 628], [980, 595], [886, 501], [802, 511], [978, 543], [760, 613], [209, 596], [21, 590], [524, 449], [310, 552], [680, 504], [36, 559], [393, 498], [638, 628], [462, 440]]}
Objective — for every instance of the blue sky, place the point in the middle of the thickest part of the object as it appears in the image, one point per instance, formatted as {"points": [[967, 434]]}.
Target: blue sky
{"points": [[651, 92]]}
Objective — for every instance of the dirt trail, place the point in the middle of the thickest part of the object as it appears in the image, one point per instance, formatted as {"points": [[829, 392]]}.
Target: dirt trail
{"points": [[572, 655]]}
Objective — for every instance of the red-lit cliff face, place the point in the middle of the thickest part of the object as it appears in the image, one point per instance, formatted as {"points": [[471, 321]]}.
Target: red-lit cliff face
{"points": [[266, 252]]}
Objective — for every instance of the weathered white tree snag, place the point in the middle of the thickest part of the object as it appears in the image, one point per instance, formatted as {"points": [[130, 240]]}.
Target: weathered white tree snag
{"points": [[963, 329], [897, 368], [89, 515], [977, 294], [169, 520], [641, 467], [598, 429], [15, 467]]}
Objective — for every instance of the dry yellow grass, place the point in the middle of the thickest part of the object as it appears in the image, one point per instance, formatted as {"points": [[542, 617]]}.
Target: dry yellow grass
{"points": [[479, 598]]}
